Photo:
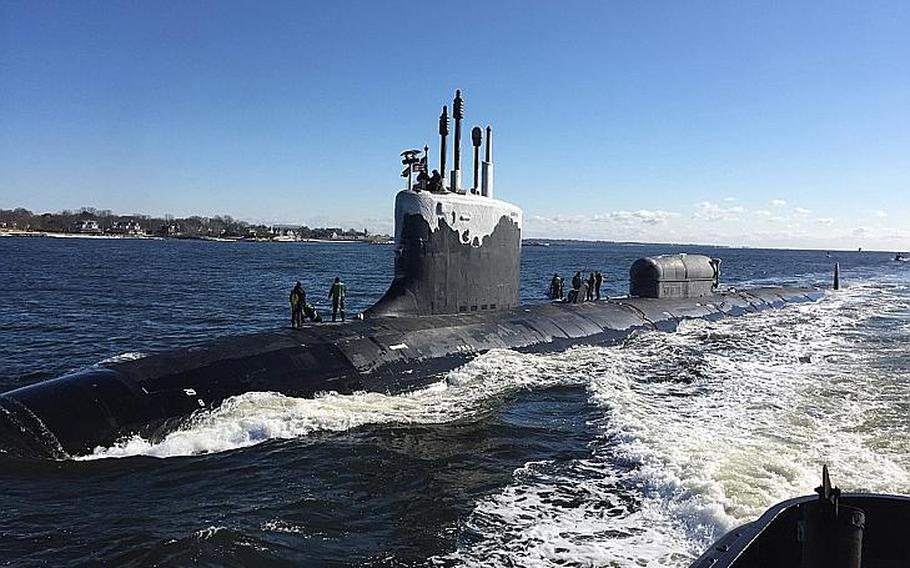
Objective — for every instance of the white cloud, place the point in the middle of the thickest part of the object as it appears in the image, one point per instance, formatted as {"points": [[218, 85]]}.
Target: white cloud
{"points": [[879, 213], [729, 199], [557, 220], [714, 212], [722, 224], [640, 217], [645, 216], [641, 225], [778, 202], [896, 234]]}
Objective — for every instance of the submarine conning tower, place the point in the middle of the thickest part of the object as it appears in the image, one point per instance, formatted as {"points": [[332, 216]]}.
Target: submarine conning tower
{"points": [[456, 250]]}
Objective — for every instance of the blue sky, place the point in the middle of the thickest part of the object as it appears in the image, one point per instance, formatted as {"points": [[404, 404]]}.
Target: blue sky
{"points": [[761, 124]]}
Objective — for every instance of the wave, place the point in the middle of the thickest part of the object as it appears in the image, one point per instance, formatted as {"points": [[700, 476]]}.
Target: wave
{"points": [[255, 417], [704, 429], [122, 357]]}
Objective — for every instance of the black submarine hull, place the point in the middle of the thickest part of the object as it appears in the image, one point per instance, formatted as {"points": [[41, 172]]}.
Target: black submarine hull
{"points": [[73, 414]]}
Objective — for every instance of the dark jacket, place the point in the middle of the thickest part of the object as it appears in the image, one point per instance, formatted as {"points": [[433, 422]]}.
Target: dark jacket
{"points": [[298, 297]]}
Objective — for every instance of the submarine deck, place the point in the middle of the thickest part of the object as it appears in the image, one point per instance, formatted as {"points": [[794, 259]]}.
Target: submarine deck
{"points": [[394, 344], [390, 355]]}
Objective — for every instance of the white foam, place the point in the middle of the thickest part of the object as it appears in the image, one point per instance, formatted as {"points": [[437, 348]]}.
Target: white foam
{"points": [[128, 356], [706, 428], [279, 526], [208, 532], [255, 417]]}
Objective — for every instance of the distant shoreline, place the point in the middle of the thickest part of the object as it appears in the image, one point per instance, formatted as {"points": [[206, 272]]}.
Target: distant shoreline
{"points": [[89, 236], [6, 233], [52, 235], [91, 223]]}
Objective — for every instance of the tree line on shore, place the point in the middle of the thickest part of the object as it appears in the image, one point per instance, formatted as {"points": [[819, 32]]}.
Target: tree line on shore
{"points": [[89, 220]]}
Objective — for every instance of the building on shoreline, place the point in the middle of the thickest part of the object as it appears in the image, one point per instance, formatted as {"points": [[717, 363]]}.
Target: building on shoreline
{"points": [[91, 222]]}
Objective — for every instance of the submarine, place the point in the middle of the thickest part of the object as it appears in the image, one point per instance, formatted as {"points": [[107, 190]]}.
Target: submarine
{"points": [[454, 295]]}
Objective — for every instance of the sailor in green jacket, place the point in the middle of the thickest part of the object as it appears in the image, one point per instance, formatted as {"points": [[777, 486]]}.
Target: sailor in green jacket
{"points": [[337, 296]]}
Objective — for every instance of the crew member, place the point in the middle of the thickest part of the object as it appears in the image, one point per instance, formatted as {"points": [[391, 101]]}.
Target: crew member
{"points": [[422, 180], [598, 280], [336, 293], [556, 287], [715, 264], [310, 313], [590, 292], [576, 286], [298, 301], [435, 183]]}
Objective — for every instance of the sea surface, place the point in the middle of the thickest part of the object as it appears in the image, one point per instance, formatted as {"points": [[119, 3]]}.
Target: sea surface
{"points": [[633, 455]]}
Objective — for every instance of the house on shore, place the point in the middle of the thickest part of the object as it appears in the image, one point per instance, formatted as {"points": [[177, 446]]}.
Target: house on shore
{"points": [[86, 226]]}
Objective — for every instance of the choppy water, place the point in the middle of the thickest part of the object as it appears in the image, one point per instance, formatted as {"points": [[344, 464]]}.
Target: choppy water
{"points": [[636, 455]]}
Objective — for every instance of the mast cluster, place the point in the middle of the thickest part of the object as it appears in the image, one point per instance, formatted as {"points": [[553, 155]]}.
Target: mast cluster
{"points": [[442, 181]]}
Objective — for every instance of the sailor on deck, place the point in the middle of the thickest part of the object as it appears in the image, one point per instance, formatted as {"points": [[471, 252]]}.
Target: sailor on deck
{"points": [[298, 301], [336, 293], [434, 184], [556, 287]]}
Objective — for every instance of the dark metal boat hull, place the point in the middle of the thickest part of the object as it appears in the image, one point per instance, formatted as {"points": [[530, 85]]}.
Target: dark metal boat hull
{"points": [[74, 414], [772, 539]]}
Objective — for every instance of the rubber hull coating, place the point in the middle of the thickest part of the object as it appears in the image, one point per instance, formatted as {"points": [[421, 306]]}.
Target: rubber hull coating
{"points": [[76, 413]]}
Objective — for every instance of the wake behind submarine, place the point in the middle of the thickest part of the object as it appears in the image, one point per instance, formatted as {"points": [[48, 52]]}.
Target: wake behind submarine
{"points": [[454, 295]]}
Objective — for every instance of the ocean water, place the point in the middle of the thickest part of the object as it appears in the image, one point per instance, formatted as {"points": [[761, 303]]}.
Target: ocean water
{"points": [[631, 455]]}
